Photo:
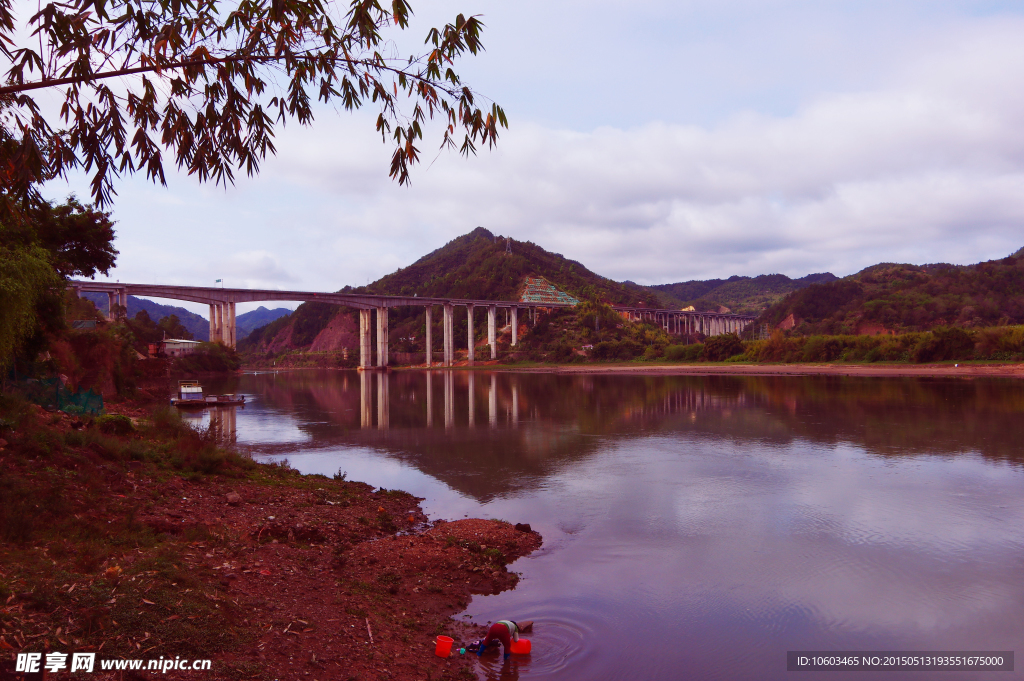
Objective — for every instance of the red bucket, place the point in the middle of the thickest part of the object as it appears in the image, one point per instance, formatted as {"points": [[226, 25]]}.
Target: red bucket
{"points": [[444, 646], [521, 647]]}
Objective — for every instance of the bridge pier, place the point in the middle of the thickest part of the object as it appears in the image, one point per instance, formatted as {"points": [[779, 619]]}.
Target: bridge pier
{"points": [[430, 346], [492, 315], [515, 324], [382, 337], [471, 343], [230, 326], [364, 339], [449, 331]]}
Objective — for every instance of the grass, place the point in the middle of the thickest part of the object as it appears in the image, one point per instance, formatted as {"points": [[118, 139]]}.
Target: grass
{"points": [[82, 570]]}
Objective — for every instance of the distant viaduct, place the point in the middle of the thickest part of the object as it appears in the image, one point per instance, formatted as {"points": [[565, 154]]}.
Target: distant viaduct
{"points": [[222, 303]]}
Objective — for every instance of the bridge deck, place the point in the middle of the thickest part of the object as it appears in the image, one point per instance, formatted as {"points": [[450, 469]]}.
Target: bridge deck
{"points": [[222, 302]]}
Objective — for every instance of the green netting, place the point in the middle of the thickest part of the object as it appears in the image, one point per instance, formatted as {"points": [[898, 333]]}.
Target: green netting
{"points": [[48, 392]]}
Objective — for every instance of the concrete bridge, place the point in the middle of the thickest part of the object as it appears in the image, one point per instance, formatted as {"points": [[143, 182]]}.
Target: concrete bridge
{"points": [[222, 302]]}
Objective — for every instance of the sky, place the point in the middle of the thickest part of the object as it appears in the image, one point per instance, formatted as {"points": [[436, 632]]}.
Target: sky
{"points": [[653, 141]]}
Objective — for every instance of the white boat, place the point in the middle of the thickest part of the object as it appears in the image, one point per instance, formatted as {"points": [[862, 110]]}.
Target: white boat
{"points": [[191, 396]]}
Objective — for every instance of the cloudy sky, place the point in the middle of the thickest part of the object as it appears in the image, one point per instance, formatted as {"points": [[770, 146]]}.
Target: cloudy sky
{"points": [[651, 140]]}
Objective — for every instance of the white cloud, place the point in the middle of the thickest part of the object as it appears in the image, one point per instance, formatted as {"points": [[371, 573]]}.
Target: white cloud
{"points": [[256, 269], [925, 164]]}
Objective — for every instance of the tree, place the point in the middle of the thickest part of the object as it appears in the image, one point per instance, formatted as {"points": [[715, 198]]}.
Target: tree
{"points": [[79, 239], [209, 82], [26, 277], [39, 248]]}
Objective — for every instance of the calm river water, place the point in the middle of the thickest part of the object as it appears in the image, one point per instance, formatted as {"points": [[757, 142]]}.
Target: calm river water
{"points": [[696, 527]]}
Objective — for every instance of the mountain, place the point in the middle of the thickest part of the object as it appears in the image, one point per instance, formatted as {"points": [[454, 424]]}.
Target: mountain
{"points": [[261, 316], [475, 265], [197, 325], [745, 295], [480, 265], [891, 297]]}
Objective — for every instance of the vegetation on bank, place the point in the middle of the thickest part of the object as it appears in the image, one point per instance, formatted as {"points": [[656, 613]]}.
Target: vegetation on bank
{"points": [[593, 332], [77, 567], [941, 344]]}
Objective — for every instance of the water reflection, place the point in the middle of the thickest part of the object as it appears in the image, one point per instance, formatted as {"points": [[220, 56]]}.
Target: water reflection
{"points": [[697, 527], [222, 422]]}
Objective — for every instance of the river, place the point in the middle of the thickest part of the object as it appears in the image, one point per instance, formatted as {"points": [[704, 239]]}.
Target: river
{"points": [[694, 527]]}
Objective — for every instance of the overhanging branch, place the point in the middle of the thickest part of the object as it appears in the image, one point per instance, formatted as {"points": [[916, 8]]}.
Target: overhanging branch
{"points": [[74, 80]]}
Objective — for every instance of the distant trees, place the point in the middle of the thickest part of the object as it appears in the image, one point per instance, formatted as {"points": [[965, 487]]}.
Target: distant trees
{"points": [[147, 331], [910, 298]]}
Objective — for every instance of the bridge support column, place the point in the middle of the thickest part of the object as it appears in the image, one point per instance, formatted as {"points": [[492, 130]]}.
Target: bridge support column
{"points": [[492, 322], [382, 337], [364, 339], [430, 338], [515, 325], [111, 306], [471, 342], [218, 323], [449, 331], [230, 326], [122, 303]]}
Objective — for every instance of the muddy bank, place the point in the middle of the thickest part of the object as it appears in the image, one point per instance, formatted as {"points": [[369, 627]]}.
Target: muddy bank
{"points": [[895, 370], [153, 543]]}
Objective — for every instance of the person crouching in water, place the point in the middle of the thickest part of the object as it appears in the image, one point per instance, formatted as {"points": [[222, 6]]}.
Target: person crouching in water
{"points": [[504, 631]]}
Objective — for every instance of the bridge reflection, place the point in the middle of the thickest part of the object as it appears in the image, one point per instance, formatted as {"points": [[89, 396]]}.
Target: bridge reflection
{"points": [[375, 400]]}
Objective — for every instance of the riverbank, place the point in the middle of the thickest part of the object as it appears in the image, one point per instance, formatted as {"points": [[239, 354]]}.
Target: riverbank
{"points": [[139, 538], [962, 370], [967, 369]]}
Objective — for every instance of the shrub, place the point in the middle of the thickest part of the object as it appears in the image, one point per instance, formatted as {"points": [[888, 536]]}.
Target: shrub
{"points": [[684, 353], [114, 424], [719, 348], [652, 352], [943, 344]]}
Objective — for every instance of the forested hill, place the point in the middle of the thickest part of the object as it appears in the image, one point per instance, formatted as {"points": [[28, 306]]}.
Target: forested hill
{"points": [[477, 265], [899, 298], [747, 295]]}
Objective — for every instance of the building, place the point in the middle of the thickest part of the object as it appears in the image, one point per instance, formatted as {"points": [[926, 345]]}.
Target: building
{"points": [[173, 347]]}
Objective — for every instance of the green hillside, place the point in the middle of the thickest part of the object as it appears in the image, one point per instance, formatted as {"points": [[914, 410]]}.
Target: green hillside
{"points": [[475, 265], [743, 295], [899, 297]]}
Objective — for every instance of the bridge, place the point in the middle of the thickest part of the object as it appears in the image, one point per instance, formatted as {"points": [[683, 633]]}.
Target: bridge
{"points": [[222, 302]]}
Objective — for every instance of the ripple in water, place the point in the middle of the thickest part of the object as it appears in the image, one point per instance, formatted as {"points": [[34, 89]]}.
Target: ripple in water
{"points": [[561, 640]]}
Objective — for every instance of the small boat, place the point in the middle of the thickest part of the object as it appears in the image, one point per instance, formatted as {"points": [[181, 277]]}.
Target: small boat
{"points": [[191, 396]]}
